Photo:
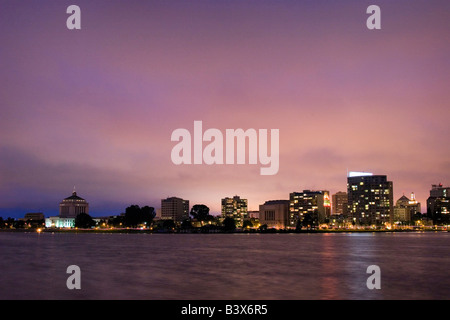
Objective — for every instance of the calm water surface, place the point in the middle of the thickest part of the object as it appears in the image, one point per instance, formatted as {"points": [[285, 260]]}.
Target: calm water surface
{"points": [[225, 266]]}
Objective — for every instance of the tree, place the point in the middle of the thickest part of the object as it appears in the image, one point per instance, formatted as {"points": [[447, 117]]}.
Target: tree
{"points": [[83, 220], [247, 224], [186, 224], [169, 224], [229, 224], [310, 221], [116, 221], [134, 215], [298, 226], [147, 214], [9, 222], [36, 223], [18, 224], [200, 212]]}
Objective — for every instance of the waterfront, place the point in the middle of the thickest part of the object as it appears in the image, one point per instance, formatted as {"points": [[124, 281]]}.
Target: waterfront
{"points": [[413, 265]]}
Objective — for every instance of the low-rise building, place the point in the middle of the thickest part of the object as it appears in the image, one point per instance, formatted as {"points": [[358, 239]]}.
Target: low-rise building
{"points": [[274, 214]]}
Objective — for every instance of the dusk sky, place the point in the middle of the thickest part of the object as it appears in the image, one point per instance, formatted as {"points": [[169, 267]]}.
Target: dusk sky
{"points": [[95, 108]]}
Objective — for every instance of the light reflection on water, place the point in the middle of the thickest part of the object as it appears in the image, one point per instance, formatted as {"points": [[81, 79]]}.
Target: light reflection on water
{"points": [[225, 266]]}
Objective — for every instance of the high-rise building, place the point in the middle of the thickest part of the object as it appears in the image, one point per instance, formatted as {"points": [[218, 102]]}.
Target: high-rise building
{"points": [[339, 202], [370, 198], [274, 214], [312, 205], [324, 206], [175, 209], [406, 209], [438, 204], [235, 208]]}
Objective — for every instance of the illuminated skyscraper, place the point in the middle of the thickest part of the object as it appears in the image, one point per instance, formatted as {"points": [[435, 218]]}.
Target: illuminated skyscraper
{"points": [[370, 198], [312, 205], [235, 208]]}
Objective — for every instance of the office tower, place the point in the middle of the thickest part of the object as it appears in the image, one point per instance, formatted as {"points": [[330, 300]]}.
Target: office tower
{"points": [[308, 207], [438, 204], [339, 202], [274, 214], [235, 208], [175, 209], [370, 198]]}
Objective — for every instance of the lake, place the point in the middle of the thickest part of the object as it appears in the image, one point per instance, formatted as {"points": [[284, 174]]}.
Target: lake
{"points": [[225, 266]]}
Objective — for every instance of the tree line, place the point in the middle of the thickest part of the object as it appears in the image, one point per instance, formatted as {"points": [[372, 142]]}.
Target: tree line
{"points": [[136, 216]]}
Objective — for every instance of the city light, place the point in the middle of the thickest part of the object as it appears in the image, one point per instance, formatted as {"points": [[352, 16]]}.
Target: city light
{"points": [[359, 174]]}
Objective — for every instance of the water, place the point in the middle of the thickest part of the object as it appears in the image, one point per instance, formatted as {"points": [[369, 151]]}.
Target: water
{"points": [[225, 266]]}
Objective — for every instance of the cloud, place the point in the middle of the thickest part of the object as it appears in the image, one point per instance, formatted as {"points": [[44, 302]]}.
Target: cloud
{"points": [[28, 181], [96, 108]]}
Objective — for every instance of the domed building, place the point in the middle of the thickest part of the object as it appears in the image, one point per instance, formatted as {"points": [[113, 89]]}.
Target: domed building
{"points": [[69, 208], [403, 201], [405, 209], [72, 206]]}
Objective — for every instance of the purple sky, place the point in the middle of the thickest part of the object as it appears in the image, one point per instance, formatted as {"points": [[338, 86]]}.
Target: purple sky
{"points": [[96, 107]]}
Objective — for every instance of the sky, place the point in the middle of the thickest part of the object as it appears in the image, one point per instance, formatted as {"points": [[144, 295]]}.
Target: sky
{"points": [[95, 108]]}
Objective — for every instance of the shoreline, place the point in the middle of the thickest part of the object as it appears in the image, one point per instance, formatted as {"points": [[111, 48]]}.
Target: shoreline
{"points": [[218, 231]]}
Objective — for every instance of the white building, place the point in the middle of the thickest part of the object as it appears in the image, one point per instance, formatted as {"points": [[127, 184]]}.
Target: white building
{"points": [[58, 222]]}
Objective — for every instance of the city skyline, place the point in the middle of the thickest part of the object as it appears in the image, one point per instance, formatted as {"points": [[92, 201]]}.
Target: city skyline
{"points": [[368, 199], [96, 107], [327, 196]]}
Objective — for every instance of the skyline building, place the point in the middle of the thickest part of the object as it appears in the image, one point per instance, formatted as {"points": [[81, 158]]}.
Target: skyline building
{"points": [[36, 216], [175, 209], [369, 201], [406, 208], [370, 198], [315, 205], [235, 208], [69, 208], [438, 204], [339, 202], [72, 206], [274, 214]]}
